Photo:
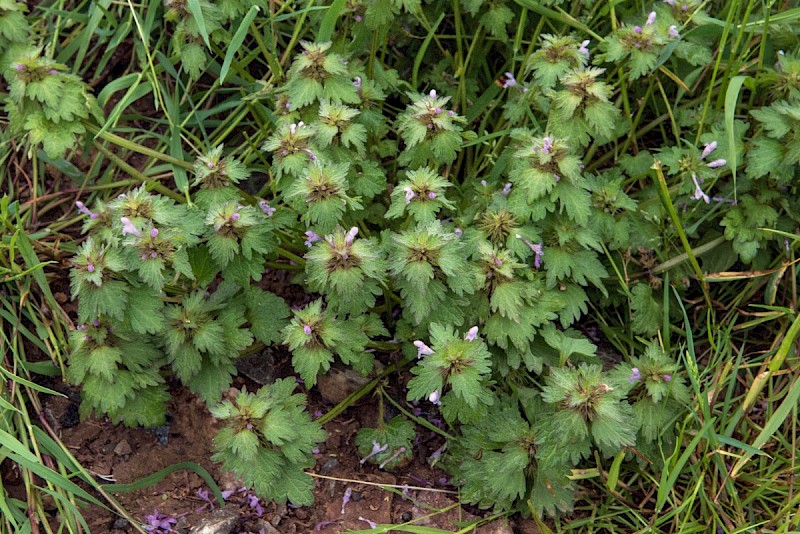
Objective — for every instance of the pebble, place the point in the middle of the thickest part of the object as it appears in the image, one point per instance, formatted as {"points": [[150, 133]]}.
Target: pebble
{"points": [[123, 448], [220, 521]]}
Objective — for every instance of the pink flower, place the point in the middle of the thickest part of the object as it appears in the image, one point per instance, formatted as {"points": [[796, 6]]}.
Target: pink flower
{"points": [[153, 233], [673, 32], [377, 448], [307, 329], [698, 191], [651, 18], [351, 235], [708, 148], [90, 267], [83, 209], [409, 194], [472, 333], [510, 80], [635, 375], [311, 237], [583, 48], [716, 163], [422, 349], [266, 208], [434, 397], [129, 228]]}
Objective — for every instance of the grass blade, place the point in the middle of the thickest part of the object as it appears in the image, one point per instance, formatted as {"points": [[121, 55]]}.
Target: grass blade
{"points": [[236, 42]]}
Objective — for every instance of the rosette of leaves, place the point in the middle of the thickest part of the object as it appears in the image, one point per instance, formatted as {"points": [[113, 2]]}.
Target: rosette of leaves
{"points": [[203, 336], [315, 335], [512, 304], [421, 194], [613, 211], [336, 126], [657, 394], [321, 196], [267, 441], [782, 82], [348, 271], [389, 445], [118, 369], [291, 147], [454, 371], [47, 104], [555, 57], [431, 133], [318, 74], [217, 177], [545, 171], [238, 237], [432, 273], [638, 46], [498, 461], [96, 278], [589, 409], [581, 109]]}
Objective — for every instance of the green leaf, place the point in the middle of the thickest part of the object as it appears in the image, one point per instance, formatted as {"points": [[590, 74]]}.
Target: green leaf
{"points": [[236, 42]]}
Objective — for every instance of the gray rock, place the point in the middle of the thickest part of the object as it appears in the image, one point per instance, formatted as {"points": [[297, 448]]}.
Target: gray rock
{"points": [[221, 521]]}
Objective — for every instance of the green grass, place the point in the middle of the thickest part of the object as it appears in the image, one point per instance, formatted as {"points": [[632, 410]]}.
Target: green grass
{"points": [[732, 465]]}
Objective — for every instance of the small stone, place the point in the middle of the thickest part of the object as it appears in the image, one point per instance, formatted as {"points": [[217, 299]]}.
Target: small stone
{"points": [[120, 523], [266, 528], [220, 521], [123, 448]]}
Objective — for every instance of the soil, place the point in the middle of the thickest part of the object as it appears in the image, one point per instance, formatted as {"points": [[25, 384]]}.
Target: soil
{"points": [[116, 454]]}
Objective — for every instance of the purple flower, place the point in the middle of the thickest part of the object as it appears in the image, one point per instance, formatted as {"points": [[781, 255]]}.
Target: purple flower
{"points": [[235, 216], [685, 7], [458, 232], [346, 498], [377, 448], [311, 237], [583, 48], [651, 18], [357, 83], [434, 398], [20, 67], [667, 378], [698, 191], [96, 323], [635, 375], [510, 80], [307, 329], [637, 29], [52, 72], [547, 144], [472, 333], [154, 254], [83, 209], [716, 163], [537, 248], [708, 149], [266, 208], [437, 110], [90, 267], [431, 195], [154, 233], [351, 235], [255, 504], [159, 523], [506, 189], [371, 524], [432, 94], [392, 458], [673, 32], [129, 228], [358, 18], [227, 494], [409, 194], [483, 183], [323, 524], [203, 494], [311, 155], [422, 349]]}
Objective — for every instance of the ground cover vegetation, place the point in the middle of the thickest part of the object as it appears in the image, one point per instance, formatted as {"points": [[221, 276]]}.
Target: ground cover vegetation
{"points": [[572, 225]]}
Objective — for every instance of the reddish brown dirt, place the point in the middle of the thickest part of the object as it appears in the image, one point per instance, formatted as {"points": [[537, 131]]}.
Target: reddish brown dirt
{"points": [[123, 455]]}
